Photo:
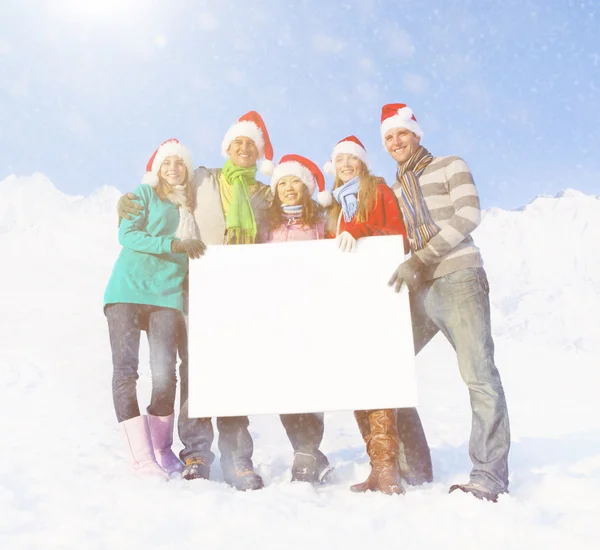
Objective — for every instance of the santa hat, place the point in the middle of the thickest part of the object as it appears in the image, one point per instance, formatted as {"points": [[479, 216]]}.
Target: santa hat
{"points": [[251, 125], [398, 115], [350, 145], [169, 148], [307, 171]]}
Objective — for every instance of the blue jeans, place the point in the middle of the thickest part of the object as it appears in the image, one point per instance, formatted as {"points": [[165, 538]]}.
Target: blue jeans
{"points": [[458, 304], [125, 323]]}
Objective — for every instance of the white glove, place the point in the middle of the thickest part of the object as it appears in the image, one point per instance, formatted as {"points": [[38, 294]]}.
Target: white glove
{"points": [[346, 242]]}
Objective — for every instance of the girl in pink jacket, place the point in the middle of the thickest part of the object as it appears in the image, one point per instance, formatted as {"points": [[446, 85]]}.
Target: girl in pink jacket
{"points": [[294, 216]]}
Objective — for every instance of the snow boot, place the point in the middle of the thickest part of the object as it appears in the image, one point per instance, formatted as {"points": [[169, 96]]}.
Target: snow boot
{"points": [[414, 457], [304, 467], [311, 468], [195, 468], [324, 470], [239, 473], [383, 447], [477, 490], [139, 443], [161, 432]]}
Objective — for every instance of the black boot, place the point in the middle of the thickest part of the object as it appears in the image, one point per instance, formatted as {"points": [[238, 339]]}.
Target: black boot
{"points": [[311, 468], [305, 432], [304, 467], [324, 470]]}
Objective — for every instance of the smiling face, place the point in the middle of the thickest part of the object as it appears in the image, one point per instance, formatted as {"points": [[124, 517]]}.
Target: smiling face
{"points": [[401, 144], [290, 190], [243, 152], [347, 166], [173, 170]]}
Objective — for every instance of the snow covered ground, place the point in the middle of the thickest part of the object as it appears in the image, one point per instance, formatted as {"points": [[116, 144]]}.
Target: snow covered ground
{"points": [[65, 481]]}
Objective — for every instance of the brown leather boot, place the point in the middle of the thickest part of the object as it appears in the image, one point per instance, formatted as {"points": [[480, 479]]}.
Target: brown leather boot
{"points": [[382, 446]]}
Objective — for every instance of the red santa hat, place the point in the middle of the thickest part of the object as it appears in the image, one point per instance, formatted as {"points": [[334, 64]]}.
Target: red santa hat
{"points": [[398, 115], [307, 171], [251, 125], [170, 148], [350, 145]]}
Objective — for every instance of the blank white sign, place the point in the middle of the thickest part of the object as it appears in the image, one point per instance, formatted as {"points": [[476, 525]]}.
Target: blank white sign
{"points": [[299, 327]]}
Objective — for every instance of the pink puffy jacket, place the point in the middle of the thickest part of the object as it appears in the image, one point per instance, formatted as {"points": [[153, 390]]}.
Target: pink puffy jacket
{"points": [[295, 232]]}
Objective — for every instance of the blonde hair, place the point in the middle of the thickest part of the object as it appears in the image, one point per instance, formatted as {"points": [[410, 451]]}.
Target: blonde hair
{"points": [[367, 199]]}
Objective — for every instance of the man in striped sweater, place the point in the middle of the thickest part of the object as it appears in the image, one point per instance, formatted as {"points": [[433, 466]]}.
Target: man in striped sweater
{"points": [[448, 286]]}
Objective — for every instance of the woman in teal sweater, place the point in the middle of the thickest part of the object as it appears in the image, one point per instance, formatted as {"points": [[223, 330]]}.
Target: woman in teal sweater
{"points": [[145, 293]]}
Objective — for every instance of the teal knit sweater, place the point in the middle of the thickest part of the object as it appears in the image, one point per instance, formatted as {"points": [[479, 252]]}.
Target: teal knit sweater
{"points": [[146, 271]]}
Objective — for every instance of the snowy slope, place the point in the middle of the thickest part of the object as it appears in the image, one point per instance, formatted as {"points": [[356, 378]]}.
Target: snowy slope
{"points": [[65, 481]]}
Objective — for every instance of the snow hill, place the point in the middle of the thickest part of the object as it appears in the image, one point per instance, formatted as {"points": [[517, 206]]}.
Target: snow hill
{"points": [[65, 481]]}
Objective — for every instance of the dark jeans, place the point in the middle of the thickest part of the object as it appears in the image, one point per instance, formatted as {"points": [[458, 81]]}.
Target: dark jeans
{"points": [[458, 304], [414, 454], [125, 323], [197, 434], [305, 431]]}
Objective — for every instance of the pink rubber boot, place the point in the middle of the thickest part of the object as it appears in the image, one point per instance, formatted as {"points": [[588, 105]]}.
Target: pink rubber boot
{"points": [[137, 436], [161, 431]]}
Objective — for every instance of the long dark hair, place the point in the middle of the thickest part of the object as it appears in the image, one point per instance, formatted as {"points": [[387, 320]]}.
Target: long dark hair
{"points": [[311, 215]]}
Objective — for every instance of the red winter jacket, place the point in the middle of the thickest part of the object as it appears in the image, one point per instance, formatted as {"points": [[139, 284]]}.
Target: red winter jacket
{"points": [[384, 219]]}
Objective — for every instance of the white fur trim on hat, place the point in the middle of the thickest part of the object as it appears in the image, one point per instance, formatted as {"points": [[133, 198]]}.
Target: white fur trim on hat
{"points": [[150, 179], [325, 198], [293, 168], [169, 149], [345, 148], [248, 129], [401, 120], [267, 167]]}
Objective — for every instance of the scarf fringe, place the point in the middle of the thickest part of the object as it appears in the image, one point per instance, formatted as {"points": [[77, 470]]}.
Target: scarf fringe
{"points": [[347, 196], [236, 235]]}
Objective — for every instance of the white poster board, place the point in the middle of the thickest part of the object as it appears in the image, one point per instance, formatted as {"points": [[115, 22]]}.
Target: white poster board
{"points": [[299, 327]]}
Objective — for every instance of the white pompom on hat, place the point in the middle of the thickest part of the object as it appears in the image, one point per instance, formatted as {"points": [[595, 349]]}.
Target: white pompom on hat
{"points": [[398, 115], [350, 145], [251, 125], [170, 148], [307, 171]]}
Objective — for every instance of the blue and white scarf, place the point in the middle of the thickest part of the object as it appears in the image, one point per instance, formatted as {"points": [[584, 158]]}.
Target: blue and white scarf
{"points": [[291, 214], [347, 196], [292, 210]]}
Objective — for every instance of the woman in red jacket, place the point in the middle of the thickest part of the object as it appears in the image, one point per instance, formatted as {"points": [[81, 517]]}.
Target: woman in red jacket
{"points": [[364, 206], [377, 211]]}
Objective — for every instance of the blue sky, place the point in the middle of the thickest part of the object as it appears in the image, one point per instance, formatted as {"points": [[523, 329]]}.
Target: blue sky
{"points": [[513, 87]]}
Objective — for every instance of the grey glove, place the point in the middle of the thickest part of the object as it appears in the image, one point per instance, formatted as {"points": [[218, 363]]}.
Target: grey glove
{"points": [[127, 207], [411, 272], [194, 248]]}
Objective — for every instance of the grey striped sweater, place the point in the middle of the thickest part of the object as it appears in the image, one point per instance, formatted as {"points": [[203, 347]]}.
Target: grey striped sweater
{"points": [[451, 197]]}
